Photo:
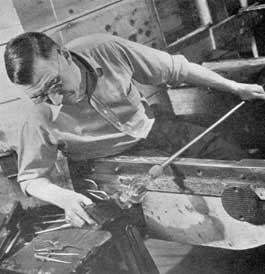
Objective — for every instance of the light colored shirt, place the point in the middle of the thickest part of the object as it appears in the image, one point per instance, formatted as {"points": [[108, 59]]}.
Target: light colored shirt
{"points": [[109, 121]]}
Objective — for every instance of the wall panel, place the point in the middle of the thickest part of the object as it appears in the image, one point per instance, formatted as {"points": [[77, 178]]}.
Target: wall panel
{"points": [[46, 14], [195, 47], [130, 19], [69, 9], [9, 21], [34, 14], [177, 18]]}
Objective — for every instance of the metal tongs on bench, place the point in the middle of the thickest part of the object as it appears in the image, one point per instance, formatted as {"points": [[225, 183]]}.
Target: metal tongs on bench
{"points": [[54, 249], [95, 192], [63, 226]]}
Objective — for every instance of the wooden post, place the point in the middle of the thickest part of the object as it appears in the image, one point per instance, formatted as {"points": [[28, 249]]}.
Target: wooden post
{"points": [[254, 48], [204, 11]]}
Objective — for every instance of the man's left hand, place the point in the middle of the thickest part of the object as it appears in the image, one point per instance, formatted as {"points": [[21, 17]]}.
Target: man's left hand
{"points": [[249, 91]]}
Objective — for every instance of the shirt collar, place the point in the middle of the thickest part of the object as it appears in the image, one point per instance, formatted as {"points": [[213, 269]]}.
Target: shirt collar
{"points": [[55, 111], [89, 62]]}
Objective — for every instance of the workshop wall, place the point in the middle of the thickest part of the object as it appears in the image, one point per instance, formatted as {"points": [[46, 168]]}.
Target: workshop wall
{"points": [[175, 18]]}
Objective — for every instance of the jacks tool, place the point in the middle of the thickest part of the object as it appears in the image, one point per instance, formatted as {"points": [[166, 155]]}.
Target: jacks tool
{"points": [[47, 253], [55, 246], [53, 229], [46, 258]]}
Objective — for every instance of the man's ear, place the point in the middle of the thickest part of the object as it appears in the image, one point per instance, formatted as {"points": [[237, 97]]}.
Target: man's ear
{"points": [[66, 54]]}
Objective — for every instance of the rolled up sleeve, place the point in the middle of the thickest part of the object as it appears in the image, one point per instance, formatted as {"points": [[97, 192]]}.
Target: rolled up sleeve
{"points": [[180, 69], [151, 66], [36, 154]]}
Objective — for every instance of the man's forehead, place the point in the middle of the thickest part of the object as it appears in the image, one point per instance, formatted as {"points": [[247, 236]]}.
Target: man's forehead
{"points": [[41, 65], [43, 68]]}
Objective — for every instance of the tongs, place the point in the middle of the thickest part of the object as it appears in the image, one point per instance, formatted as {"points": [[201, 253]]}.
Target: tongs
{"points": [[95, 192]]}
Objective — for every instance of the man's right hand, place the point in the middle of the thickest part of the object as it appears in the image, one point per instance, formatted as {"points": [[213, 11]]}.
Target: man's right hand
{"points": [[73, 204]]}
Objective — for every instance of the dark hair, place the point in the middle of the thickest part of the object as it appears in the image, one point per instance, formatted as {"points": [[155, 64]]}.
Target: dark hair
{"points": [[20, 53]]}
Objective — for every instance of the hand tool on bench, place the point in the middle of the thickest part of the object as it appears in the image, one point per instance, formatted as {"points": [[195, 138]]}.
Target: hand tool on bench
{"points": [[98, 194], [46, 258], [94, 192], [53, 229], [53, 222], [55, 246], [50, 252], [12, 225], [157, 170]]}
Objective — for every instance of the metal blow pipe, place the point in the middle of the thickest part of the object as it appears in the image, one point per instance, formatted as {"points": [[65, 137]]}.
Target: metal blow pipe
{"points": [[157, 170]]}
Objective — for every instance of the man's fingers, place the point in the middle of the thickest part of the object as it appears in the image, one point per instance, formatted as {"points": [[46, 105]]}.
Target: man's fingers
{"points": [[79, 217], [75, 210], [82, 214], [74, 219], [251, 92], [85, 201], [253, 96], [261, 96]]}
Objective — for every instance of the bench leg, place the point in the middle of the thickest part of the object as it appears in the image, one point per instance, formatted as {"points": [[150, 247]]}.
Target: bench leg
{"points": [[135, 255]]}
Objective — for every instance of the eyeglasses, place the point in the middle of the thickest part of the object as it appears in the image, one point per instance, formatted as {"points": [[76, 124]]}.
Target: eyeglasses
{"points": [[50, 87]]}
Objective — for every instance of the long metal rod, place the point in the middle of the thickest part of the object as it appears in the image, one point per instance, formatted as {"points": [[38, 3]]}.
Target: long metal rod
{"points": [[173, 157], [155, 171], [53, 229]]}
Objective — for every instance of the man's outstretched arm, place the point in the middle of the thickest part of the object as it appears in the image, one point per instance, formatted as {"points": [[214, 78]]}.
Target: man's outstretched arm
{"points": [[154, 67], [201, 76]]}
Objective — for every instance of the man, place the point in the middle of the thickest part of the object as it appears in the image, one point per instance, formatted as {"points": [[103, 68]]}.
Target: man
{"points": [[87, 105]]}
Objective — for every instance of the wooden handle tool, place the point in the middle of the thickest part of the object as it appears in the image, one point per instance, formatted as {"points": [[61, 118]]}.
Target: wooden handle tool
{"points": [[157, 170]]}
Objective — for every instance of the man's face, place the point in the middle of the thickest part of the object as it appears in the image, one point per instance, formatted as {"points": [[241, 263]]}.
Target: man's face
{"points": [[57, 79]]}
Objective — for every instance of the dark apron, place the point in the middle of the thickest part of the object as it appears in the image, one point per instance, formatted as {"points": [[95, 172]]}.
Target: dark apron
{"points": [[169, 135]]}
